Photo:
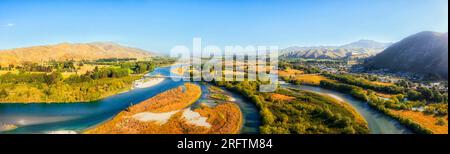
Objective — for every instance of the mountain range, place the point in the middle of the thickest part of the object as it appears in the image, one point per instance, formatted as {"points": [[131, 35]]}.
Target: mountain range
{"points": [[70, 51], [358, 49], [424, 52]]}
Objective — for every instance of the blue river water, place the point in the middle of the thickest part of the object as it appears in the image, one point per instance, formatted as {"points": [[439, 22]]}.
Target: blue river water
{"points": [[377, 121], [76, 117]]}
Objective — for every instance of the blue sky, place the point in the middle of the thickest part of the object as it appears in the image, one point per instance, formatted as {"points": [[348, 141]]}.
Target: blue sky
{"points": [[158, 25]]}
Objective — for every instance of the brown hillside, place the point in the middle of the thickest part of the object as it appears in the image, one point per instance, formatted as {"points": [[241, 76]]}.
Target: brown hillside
{"points": [[68, 51]]}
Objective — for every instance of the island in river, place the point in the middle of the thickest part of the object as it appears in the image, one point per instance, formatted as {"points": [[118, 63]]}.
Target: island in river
{"points": [[169, 113]]}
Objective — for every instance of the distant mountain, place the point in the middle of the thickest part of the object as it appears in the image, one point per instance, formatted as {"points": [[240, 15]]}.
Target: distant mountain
{"points": [[315, 53], [368, 44], [358, 49], [424, 52], [69, 51]]}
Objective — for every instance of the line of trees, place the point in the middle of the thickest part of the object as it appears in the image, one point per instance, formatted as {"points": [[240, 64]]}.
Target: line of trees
{"points": [[355, 91], [383, 105], [349, 79], [426, 94]]}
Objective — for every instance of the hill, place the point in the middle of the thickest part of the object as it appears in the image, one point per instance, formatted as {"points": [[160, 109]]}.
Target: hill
{"points": [[358, 49], [69, 51], [424, 52], [370, 44]]}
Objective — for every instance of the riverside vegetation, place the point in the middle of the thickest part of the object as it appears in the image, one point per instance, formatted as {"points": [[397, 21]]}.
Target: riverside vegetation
{"points": [[398, 100], [291, 111], [300, 112], [63, 82]]}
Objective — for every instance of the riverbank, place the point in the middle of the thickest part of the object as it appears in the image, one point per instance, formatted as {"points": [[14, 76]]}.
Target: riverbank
{"points": [[127, 121], [7, 127], [225, 118], [44, 118], [62, 92], [379, 104], [428, 121], [299, 112], [147, 82], [75, 81], [169, 113], [378, 122]]}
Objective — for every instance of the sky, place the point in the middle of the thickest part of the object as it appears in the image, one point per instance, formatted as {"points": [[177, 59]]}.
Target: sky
{"points": [[159, 25]]}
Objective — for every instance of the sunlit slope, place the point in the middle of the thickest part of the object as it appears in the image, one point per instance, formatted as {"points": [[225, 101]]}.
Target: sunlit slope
{"points": [[68, 51]]}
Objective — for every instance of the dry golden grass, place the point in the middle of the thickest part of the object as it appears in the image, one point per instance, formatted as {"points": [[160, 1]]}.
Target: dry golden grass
{"points": [[298, 75], [123, 124], [82, 70], [280, 97], [427, 121], [214, 89], [290, 73], [310, 79], [384, 95], [172, 100], [225, 118], [4, 72], [382, 83], [87, 68]]}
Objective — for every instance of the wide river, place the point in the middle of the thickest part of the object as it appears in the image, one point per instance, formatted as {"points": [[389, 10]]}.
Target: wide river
{"points": [[76, 117]]}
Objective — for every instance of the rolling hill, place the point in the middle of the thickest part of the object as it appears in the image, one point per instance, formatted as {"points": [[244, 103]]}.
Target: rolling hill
{"points": [[424, 52], [358, 49], [69, 51], [367, 44]]}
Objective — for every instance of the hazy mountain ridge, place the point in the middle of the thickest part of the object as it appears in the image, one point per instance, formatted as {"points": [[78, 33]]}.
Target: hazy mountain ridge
{"points": [[366, 44], [360, 49], [70, 51], [424, 52]]}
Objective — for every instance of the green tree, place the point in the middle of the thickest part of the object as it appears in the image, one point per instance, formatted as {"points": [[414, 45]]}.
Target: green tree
{"points": [[440, 122], [414, 95], [53, 78], [3, 93]]}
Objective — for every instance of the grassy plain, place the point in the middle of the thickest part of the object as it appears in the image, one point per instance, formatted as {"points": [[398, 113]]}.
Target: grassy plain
{"points": [[427, 121]]}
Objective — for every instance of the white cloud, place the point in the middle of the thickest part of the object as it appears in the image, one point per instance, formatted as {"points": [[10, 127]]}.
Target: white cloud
{"points": [[9, 25]]}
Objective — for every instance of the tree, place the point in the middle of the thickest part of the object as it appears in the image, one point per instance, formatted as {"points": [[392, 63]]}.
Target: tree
{"points": [[268, 117], [440, 122], [11, 67], [53, 78], [437, 96], [3, 93], [414, 95]]}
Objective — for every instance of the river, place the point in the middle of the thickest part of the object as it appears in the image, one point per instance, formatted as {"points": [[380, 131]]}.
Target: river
{"points": [[76, 117], [377, 121]]}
